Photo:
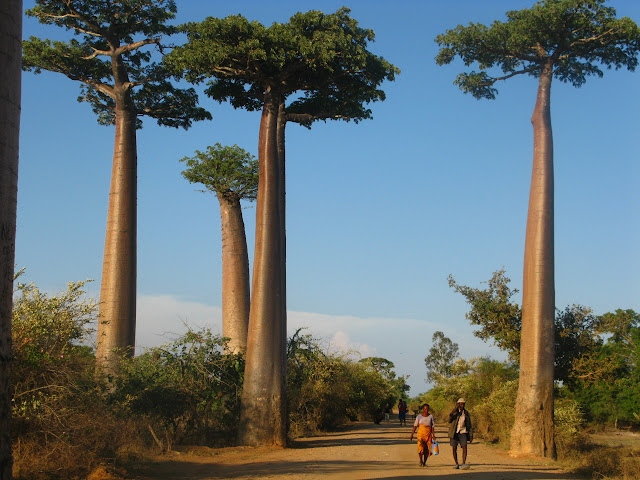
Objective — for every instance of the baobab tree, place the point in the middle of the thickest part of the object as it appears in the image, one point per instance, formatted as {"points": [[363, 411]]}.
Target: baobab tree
{"points": [[256, 67], [232, 174], [121, 83], [568, 40], [10, 74]]}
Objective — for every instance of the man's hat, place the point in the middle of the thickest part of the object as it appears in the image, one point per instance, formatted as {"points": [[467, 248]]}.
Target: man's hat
{"points": [[461, 400]]}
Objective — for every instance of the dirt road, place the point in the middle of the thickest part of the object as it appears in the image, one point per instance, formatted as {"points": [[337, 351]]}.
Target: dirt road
{"points": [[359, 451]]}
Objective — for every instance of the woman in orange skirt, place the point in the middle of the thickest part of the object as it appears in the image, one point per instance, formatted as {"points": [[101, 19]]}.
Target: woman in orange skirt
{"points": [[425, 426]]}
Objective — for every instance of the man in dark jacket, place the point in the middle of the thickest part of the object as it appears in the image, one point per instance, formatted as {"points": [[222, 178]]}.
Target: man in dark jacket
{"points": [[460, 432]]}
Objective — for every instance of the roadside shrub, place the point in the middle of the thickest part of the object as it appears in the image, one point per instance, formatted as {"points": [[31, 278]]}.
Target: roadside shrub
{"points": [[61, 426], [186, 391], [568, 420], [326, 390], [488, 386], [494, 415]]}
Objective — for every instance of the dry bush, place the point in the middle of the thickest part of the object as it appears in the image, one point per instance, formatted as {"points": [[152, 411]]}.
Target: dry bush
{"points": [[74, 444], [494, 416]]}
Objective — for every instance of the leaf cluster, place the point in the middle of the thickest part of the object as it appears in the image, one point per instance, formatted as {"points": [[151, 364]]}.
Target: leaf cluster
{"points": [[575, 37], [229, 171]]}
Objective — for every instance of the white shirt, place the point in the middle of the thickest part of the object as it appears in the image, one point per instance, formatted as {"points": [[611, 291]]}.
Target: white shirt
{"points": [[462, 428], [426, 421]]}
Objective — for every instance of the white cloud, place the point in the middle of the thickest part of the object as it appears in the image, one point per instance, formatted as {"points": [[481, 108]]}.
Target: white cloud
{"points": [[160, 318]]}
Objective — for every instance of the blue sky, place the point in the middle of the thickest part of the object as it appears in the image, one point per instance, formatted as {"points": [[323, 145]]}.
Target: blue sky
{"points": [[378, 213]]}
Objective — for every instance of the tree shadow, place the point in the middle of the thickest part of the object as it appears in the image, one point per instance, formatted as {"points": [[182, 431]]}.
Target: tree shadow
{"points": [[180, 470]]}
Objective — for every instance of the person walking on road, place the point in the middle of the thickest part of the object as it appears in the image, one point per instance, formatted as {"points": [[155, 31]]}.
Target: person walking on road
{"points": [[460, 432], [426, 434], [402, 412], [387, 413]]}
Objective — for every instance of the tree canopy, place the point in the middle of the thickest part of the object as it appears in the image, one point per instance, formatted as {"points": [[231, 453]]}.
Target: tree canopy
{"points": [[441, 357], [321, 56], [578, 37], [229, 171], [109, 58]]}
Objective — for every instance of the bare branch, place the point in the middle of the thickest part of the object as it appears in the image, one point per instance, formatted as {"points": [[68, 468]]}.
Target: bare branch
{"points": [[135, 46]]}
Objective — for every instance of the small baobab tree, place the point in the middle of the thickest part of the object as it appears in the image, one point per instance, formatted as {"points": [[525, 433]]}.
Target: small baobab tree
{"points": [[232, 174], [567, 40]]}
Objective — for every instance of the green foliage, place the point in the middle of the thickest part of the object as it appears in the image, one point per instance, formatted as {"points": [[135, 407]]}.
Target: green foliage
{"points": [[492, 309], [325, 390], [607, 377], [117, 33], [228, 171], [61, 425], [575, 37], [48, 335], [441, 356], [489, 388], [321, 56], [188, 388], [576, 328], [575, 337]]}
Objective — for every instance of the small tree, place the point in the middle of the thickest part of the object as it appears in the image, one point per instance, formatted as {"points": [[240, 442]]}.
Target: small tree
{"points": [[121, 88], [232, 174], [442, 355], [568, 40]]}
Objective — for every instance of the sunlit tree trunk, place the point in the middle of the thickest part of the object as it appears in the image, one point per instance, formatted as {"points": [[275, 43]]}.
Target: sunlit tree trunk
{"points": [[10, 74], [235, 274], [532, 432], [117, 319], [263, 417], [282, 126]]}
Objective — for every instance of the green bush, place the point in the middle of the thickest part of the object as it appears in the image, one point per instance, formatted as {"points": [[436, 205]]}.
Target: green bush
{"points": [[62, 426], [489, 388], [187, 390], [325, 390]]}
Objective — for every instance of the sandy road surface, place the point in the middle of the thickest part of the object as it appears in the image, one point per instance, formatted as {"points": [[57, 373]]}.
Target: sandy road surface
{"points": [[359, 451]]}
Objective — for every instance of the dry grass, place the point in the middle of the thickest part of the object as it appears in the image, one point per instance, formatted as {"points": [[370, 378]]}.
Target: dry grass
{"points": [[602, 460]]}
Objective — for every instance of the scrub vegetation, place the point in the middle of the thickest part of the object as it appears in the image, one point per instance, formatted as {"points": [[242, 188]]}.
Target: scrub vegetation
{"points": [[68, 421]]}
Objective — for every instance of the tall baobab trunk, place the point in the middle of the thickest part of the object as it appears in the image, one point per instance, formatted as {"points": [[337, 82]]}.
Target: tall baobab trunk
{"points": [[117, 319], [263, 417], [282, 126], [235, 275], [532, 432], [10, 74]]}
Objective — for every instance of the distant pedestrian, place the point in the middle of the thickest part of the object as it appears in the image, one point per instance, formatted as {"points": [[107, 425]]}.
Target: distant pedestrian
{"points": [[460, 432], [426, 434], [402, 412], [387, 413]]}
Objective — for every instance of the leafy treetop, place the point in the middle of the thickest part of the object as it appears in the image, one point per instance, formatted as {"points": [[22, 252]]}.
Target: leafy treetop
{"points": [[322, 57], [228, 171], [116, 32], [574, 37]]}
